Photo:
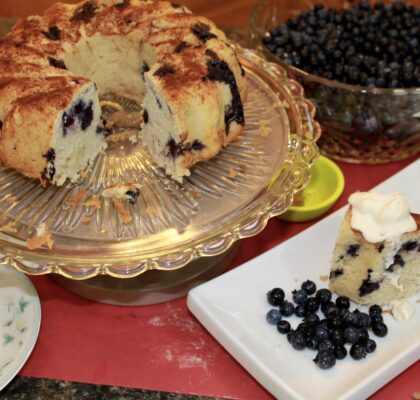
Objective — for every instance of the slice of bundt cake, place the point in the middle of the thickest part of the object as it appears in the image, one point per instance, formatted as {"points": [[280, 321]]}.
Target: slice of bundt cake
{"points": [[55, 118], [189, 80], [376, 258]]}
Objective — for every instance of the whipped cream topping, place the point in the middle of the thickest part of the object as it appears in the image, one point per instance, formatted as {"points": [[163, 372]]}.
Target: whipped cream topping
{"points": [[402, 310], [381, 217]]}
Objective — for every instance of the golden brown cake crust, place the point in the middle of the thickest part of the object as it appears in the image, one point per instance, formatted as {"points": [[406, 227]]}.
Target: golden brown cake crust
{"points": [[35, 80]]}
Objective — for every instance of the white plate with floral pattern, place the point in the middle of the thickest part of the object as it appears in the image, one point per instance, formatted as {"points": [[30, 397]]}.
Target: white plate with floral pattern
{"points": [[20, 318]]}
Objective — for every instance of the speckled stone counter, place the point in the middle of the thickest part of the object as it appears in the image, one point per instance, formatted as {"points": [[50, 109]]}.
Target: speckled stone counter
{"points": [[24, 388]]}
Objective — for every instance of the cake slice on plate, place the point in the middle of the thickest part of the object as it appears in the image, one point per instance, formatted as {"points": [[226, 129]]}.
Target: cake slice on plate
{"points": [[376, 259]]}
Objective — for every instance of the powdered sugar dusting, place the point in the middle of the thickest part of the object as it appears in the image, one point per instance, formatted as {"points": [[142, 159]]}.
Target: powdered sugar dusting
{"points": [[175, 317], [197, 354], [191, 361]]}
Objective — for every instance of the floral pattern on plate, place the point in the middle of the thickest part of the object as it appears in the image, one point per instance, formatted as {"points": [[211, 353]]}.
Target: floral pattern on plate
{"points": [[20, 316]]}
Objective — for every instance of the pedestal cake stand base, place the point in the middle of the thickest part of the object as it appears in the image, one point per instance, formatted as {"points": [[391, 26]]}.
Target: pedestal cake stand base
{"points": [[151, 287]]}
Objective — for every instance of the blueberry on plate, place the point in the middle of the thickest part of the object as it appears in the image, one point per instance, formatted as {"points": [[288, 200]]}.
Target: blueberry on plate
{"points": [[323, 295], [357, 351], [325, 359], [283, 327], [275, 296], [370, 345], [299, 296], [309, 287], [380, 329], [340, 352], [273, 316], [287, 308]]}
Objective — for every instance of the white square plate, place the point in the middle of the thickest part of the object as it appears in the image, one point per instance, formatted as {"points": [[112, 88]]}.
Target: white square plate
{"points": [[233, 307]]}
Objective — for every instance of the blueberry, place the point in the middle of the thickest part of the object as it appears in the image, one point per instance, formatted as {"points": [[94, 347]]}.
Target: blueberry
{"points": [[342, 302], [329, 307], [299, 296], [340, 352], [375, 309], [311, 305], [273, 316], [298, 340], [290, 335], [132, 195], [67, 121], [86, 116], [351, 334], [336, 337], [309, 287], [275, 296], [334, 322], [323, 295], [325, 359], [363, 335], [287, 308], [357, 351], [380, 329], [145, 116], [300, 311], [311, 319], [363, 320], [376, 318], [283, 326], [321, 333], [370, 345], [326, 345]]}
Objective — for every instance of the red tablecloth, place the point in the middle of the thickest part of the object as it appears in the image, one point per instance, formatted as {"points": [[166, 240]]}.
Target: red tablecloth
{"points": [[163, 347]]}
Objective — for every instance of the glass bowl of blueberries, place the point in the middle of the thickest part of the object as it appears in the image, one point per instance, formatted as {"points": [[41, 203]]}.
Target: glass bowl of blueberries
{"points": [[359, 63]]}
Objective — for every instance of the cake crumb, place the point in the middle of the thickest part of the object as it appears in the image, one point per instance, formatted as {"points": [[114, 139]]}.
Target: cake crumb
{"points": [[86, 219], [76, 197], [123, 119], [298, 199], [324, 278], [8, 228], [265, 131], [193, 193], [11, 200], [43, 237], [233, 172], [122, 212], [415, 395], [93, 202], [124, 191], [129, 134]]}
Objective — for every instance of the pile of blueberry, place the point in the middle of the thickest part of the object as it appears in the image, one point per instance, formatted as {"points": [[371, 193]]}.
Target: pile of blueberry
{"points": [[328, 335], [375, 45]]}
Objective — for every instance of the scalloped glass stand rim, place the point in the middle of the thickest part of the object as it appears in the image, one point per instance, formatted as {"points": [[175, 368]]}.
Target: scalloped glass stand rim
{"points": [[224, 200]]}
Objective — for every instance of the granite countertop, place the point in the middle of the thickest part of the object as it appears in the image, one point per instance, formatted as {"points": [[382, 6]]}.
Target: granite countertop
{"points": [[25, 388]]}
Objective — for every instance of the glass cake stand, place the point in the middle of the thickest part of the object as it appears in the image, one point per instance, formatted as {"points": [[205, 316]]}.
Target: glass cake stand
{"points": [[189, 227]]}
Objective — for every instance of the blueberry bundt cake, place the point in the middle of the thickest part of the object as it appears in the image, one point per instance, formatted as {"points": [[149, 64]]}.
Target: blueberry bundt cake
{"points": [[376, 259], [54, 67]]}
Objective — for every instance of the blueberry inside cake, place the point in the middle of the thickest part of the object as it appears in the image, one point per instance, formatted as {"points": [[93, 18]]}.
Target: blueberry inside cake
{"points": [[376, 271], [54, 67]]}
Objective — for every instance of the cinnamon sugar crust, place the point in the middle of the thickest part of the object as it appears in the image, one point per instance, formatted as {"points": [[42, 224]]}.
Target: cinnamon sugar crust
{"points": [[47, 60]]}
